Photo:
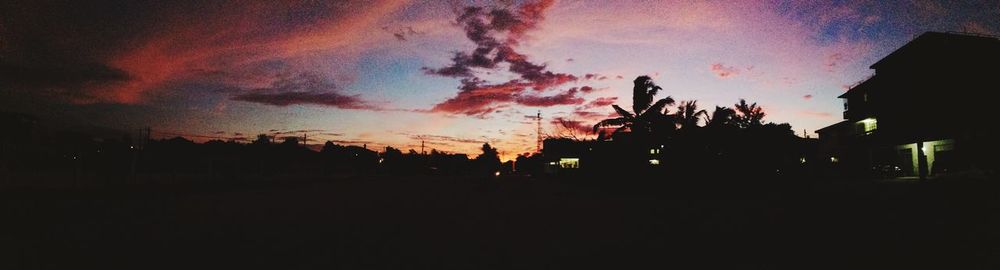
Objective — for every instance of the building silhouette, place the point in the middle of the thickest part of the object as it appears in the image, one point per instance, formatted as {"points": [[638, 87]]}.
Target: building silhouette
{"points": [[924, 112]]}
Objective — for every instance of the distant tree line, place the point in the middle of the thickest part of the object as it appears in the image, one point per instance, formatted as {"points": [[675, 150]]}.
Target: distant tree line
{"points": [[34, 153], [653, 141]]}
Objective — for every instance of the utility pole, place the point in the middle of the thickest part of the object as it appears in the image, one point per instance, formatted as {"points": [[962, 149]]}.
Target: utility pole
{"points": [[135, 147], [538, 132], [422, 152]]}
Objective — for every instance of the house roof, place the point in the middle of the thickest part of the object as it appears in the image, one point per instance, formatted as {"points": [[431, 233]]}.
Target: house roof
{"points": [[928, 44], [862, 86], [834, 126], [936, 43]]}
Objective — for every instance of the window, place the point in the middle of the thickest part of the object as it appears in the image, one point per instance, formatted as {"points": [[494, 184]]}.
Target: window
{"points": [[868, 126], [569, 163]]}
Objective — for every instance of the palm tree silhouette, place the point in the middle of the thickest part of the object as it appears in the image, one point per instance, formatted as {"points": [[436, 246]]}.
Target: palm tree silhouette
{"points": [[688, 114], [748, 115], [720, 117], [646, 113]]}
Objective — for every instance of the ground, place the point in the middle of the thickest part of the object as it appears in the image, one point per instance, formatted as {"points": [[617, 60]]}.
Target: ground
{"points": [[391, 222]]}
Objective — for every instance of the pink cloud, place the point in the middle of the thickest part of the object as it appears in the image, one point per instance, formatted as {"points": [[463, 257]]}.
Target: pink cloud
{"points": [[723, 71], [497, 33], [602, 102], [230, 40], [306, 88]]}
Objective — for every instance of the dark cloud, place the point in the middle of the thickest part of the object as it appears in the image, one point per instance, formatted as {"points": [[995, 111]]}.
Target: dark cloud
{"points": [[306, 88], [297, 131], [293, 98], [439, 139], [401, 33], [497, 32], [352, 142], [565, 98], [807, 97], [601, 102]]}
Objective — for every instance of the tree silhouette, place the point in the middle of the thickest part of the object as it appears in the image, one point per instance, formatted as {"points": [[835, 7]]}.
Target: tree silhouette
{"points": [[688, 114], [646, 116], [720, 117], [489, 160], [748, 115], [262, 139]]}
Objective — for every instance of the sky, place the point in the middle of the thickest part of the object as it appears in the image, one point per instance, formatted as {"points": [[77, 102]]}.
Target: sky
{"points": [[451, 74]]}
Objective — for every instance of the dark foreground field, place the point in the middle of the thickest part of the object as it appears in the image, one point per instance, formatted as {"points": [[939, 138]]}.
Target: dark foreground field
{"points": [[516, 223]]}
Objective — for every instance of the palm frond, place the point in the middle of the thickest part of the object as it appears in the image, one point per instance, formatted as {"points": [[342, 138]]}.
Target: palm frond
{"points": [[621, 121], [659, 106], [643, 90], [622, 112], [619, 130]]}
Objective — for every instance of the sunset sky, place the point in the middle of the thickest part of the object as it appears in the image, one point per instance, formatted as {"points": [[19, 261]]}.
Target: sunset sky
{"points": [[452, 73]]}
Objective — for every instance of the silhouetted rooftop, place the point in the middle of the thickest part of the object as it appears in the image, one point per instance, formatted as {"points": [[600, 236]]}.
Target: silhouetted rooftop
{"points": [[933, 44], [937, 42]]}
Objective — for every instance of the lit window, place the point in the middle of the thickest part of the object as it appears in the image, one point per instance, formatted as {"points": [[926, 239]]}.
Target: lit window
{"points": [[569, 163], [654, 162], [868, 125], [834, 159]]}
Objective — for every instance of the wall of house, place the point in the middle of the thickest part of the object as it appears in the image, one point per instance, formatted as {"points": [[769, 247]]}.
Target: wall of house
{"points": [[928, 150]]}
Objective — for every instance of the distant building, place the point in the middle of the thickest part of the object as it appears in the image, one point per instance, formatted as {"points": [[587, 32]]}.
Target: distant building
{"points": [[927, 110], [565, 154]]}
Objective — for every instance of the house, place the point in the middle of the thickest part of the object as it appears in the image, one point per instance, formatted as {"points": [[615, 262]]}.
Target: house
{"points": [[925, 111], [563, 155]]}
